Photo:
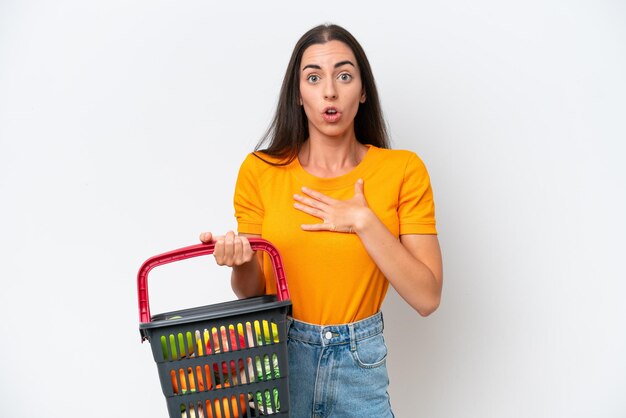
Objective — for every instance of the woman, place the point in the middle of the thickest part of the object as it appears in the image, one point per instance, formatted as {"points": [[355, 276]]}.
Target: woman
{"points": [[348, 215]]}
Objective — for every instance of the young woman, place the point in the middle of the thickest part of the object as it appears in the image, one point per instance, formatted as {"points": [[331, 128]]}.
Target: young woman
{"points": [[348, 215]]}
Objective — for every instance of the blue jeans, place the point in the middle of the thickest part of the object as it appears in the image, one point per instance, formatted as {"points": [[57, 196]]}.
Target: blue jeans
{"points": [[338, 370]]}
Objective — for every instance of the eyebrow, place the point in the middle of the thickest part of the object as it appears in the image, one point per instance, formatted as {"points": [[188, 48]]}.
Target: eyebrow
{"points": [[339, 64]]}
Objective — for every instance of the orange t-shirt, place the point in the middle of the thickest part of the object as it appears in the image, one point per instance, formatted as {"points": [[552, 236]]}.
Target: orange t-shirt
{"points": [[331, 277]]}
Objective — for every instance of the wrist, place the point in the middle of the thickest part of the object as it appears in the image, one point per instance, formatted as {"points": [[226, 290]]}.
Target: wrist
{"points": [[363, 219]]}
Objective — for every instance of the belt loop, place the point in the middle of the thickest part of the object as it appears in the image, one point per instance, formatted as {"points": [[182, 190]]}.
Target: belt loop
{"points": [[352, 337]]}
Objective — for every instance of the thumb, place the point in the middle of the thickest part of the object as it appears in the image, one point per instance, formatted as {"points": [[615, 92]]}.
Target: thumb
{"points": [[359, 196], [206, 237], [358, 187]]}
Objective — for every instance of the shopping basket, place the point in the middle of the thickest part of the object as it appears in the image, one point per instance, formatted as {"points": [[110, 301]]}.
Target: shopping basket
{"points": [[226, 360]]}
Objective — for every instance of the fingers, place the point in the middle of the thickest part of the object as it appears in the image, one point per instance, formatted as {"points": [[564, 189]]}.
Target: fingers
{"points": [[327, 227], [314, 203], [317, 195], [317, 205], [316, 227], [247, 253], [310, 210], [223, 251], [232, 250]]}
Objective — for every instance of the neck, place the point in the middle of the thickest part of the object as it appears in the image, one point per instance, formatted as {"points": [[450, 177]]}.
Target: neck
{"points": [[331, 157]]}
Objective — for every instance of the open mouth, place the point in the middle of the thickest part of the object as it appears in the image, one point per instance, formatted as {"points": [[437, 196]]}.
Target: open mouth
{"points": [[331, 115]]}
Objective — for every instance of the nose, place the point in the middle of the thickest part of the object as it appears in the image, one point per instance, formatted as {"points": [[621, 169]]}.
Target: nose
{"points": [[330, 93]]}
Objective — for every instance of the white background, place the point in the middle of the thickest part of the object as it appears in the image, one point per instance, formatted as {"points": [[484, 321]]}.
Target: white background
{"points": [[123, 124]]}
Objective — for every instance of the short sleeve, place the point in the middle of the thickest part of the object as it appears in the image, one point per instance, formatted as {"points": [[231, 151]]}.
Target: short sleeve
{"points": [[248, 204], [416, 209]]}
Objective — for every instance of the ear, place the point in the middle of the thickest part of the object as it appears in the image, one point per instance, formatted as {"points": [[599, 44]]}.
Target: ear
{"points": [[363, 96]]}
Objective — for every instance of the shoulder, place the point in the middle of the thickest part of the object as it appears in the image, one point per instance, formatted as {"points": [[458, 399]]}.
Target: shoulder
{"points": [[258, 162], [399, 159], [259, 166]]}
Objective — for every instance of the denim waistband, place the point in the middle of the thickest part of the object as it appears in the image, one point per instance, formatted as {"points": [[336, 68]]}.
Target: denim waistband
{"points": [[326, 335]]}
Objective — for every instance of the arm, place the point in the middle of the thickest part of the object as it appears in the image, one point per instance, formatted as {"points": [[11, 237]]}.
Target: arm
{"points": [[235, 251], [412, 264]]}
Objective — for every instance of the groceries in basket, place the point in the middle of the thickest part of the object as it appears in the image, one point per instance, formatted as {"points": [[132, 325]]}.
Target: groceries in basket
{"points": [[219, 408], [217, 375]]}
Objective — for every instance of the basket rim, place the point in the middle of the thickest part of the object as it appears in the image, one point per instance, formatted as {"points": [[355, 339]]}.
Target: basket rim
{"points": [[215, 311]]}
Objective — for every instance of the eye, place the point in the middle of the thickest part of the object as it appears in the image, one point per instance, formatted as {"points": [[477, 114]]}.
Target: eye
{"points": [[313, 78], [345, 77]]}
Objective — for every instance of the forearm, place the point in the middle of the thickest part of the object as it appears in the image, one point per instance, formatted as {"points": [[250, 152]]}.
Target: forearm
{"points": [[416, 282], [247, 279]]}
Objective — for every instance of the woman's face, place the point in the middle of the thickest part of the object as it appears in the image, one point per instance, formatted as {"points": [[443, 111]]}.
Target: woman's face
{"points": [[330, 89]]}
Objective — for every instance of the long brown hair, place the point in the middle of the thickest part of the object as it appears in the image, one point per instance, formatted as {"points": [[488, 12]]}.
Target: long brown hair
{"points": [[289, 128]]}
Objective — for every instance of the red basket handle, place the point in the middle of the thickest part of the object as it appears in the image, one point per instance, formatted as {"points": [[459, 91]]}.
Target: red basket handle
{"points": [[198, 250]]}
